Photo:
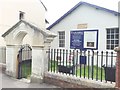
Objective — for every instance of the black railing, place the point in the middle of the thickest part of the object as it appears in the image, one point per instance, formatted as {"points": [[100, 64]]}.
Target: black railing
{"points": [[87, 64]]}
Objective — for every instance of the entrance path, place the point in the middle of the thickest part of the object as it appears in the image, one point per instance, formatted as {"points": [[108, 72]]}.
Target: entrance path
{"points": [[9, 82]]}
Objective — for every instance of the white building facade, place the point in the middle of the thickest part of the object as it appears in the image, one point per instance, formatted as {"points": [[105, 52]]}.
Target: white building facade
{"points": [[85, 16]]}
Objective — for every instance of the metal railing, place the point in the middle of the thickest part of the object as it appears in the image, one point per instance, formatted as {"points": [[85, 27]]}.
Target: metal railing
{"points": [[84, 64]]}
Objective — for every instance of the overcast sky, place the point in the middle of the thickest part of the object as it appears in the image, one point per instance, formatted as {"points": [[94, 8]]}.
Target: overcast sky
{"points": [[56, 8]]}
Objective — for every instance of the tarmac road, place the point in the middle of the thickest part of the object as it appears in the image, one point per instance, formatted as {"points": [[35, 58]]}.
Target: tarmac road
{"points": [[9, 82]]}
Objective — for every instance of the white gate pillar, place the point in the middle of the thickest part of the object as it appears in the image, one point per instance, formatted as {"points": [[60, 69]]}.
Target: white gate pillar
{"points": [[11, 60], [40, 61], [37, 64]]}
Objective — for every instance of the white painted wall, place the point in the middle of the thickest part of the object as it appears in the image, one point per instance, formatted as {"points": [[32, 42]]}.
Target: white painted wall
{"points": [[9, 14], [11, 61], [95, 18], [37, 64]]}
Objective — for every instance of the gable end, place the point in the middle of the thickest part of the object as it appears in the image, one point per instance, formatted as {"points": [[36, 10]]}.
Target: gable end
{"points": [[76, 6]]}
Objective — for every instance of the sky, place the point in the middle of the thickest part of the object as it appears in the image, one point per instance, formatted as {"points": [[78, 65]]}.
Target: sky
{"points": [[56, 8]]}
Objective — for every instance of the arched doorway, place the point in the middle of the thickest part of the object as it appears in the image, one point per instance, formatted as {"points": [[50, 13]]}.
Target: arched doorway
{"points": [[24, 61], [40, 40]]}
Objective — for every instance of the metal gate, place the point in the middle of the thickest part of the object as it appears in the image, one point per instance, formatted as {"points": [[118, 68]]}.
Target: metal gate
{"points": [[24, 61]]}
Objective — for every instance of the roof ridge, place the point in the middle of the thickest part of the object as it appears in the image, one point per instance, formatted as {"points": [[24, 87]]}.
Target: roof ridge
{"points": [[100, 7]]}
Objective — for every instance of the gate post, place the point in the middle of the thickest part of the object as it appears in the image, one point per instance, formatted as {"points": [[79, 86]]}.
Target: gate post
{"points": [[37, 64], [40, 60], [117, 49], [11, 60]]}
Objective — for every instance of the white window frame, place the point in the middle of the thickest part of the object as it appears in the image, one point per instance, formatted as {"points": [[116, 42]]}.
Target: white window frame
{"points": [[61, 37], [112, 38]]}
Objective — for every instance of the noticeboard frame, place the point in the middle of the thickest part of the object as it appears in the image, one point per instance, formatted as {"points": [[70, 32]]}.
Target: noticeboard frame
{"points": [[84, 39]]}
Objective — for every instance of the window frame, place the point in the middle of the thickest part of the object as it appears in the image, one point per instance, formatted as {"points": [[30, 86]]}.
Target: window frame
{"points": [[61, 37], [111, 40]]}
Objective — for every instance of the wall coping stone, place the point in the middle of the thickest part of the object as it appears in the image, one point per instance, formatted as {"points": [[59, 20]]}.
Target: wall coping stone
{"points": [[80, 81], [117, 49]]}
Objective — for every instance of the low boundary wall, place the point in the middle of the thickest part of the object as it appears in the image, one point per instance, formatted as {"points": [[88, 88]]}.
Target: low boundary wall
{"points": [[66, 81]]}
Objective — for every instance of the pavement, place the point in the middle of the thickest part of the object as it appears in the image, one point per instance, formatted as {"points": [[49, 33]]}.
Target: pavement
{"points": [[9, 82]]}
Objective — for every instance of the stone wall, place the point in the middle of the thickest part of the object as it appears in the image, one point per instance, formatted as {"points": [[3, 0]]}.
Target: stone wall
{"points": [[2, 67], [3, 55], [117, 49], [66, 81]]}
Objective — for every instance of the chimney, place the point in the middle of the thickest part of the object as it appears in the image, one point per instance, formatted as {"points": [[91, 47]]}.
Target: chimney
{"points": [[21, 15]]}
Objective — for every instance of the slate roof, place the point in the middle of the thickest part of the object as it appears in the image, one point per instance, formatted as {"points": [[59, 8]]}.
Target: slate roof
{"points": [[76, 6]]}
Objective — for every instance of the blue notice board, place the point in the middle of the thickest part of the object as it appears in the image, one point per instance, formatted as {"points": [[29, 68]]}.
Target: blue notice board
{"points": [[84, 39], [76, 39]]}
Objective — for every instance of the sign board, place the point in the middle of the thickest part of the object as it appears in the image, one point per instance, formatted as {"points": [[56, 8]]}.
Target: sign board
{"points": [[84, 39], [82, 26], [76, 39]]}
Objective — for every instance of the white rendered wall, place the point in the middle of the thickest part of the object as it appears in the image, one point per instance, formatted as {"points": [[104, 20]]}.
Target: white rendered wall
{"points": [[37, 64], [11, 60], [95, 18], [9, 14]]}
